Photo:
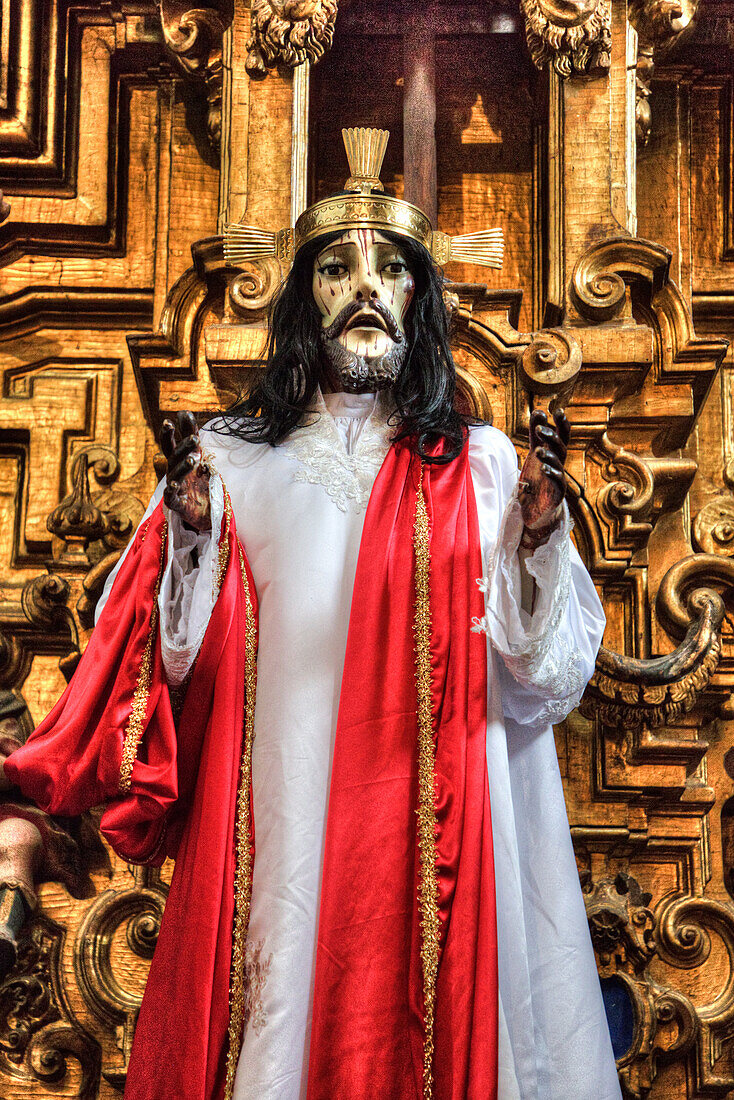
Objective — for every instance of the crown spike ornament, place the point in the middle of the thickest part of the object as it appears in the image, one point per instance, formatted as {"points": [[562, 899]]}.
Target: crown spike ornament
{"points": [[363, 205], [365, 153]]}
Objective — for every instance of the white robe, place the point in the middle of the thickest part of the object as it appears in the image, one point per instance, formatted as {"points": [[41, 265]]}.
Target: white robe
{"points": [[299, 510]]}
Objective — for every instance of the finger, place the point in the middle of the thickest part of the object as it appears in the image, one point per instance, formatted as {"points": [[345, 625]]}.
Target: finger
{"points": [[551, 439], [555, 475], [563, 424], [179, 472], [185, 447], [168, 438], [549, 458], [537, 418], [187, 424]]}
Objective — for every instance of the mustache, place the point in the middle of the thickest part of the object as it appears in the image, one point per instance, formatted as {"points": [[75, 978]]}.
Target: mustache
{"points": [[335, 329]]}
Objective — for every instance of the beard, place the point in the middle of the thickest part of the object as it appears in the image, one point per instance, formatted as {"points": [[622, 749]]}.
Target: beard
{"points": [[357, 373]]}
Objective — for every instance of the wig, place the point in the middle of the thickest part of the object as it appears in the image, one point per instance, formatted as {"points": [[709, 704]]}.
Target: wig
{"points": [[423, 394]]}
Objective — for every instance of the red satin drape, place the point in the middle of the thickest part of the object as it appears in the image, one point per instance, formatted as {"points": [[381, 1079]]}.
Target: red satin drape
{"points": [[367, 1034], [184, 780]]}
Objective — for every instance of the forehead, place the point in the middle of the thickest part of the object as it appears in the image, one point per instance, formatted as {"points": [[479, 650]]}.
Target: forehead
{"points": [[358, 240]]}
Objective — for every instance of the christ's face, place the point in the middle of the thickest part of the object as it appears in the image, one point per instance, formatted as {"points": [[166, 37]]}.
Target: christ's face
{"points": [[363, 289]]}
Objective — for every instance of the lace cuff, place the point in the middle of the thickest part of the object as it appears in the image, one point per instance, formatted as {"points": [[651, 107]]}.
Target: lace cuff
{"points": [[189, 590], [534, 647]]}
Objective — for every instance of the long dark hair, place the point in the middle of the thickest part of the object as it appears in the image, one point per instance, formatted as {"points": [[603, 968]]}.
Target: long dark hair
{"points": [[423, 394]]}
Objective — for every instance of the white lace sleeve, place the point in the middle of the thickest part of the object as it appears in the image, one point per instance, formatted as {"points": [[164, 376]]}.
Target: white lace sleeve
{"points": [[189, 588], [548, 656]]}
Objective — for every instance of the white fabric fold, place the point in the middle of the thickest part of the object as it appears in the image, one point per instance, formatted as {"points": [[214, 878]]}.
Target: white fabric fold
{"points": [[189, 587], [550, 996], [536, 652]]}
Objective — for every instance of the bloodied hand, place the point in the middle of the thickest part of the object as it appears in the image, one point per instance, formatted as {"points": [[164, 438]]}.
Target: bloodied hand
{"points": [[363, 289], [543, 480], [187, 479]]}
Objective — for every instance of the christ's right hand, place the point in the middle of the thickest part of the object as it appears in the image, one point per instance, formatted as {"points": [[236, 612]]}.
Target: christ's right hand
{"points": [[187, 479]]}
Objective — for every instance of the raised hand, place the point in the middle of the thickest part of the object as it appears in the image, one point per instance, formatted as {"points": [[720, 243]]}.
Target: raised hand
{"points": [[542, 479], [187, 479]]}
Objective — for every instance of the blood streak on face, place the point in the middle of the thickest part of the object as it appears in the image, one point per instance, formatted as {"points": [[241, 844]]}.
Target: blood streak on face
{"points": [[363, 266]]}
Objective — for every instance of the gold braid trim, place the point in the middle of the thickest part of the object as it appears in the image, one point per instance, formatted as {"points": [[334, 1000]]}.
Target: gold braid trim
{"points": [[223, 559], [428, 886], [243, 850], [134, 731]]}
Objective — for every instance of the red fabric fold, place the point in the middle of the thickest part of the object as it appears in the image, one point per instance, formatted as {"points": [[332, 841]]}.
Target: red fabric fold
{"points": [[185, 781], [368, 1030]]}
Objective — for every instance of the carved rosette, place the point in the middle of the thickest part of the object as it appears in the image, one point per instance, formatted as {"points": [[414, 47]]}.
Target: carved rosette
{"points": [[289, 32], [574, 36]]}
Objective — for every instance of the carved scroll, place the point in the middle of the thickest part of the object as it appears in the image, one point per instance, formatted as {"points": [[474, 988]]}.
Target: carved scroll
{"points": [[550, 364], [194, 38], [573, 36], [627, 692]]}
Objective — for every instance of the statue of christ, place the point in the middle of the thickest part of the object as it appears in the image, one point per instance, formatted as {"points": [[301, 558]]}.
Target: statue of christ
{"points": [[324, 679]]}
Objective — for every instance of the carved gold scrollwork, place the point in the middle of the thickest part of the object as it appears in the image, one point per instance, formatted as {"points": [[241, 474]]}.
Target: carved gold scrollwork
{"points": [[628, 693], [551, 363], [137, 910], [574, 36], [685, 927], [660, 25], [289, 32], [623, 932], [252, 291], [706, 572], [640, 489], [194, 38], [602, 273], [37, 1035], [713, 527], [94, 527], [77, 520]]}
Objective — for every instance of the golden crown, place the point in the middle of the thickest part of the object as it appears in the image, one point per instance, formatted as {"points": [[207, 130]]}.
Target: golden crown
{"points": [[363, 206]]}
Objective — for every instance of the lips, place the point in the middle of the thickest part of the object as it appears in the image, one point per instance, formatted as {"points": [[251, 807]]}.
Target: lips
{"points": [[366, 319], [358, 314]]}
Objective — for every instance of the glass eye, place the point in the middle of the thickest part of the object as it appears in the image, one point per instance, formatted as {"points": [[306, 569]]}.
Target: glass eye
{"points": [[395, 267], [333, 270]]}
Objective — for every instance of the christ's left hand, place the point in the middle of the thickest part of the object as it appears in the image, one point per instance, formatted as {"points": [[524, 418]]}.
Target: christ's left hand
{"points": [[542, 479]]}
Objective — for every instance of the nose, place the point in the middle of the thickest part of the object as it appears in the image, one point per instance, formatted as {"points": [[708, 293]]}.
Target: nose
{"points": [[366, 282]]}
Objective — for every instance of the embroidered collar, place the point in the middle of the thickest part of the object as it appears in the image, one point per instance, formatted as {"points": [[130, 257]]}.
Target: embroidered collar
{"points": [[323, 460]]}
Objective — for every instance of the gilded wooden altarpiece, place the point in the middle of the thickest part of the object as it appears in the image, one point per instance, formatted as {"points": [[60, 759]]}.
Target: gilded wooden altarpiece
{"points": [[600, 133]]}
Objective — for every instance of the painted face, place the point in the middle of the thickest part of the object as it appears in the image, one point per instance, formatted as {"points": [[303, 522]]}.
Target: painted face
{"points": [[363, 269], [363, 289]]}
